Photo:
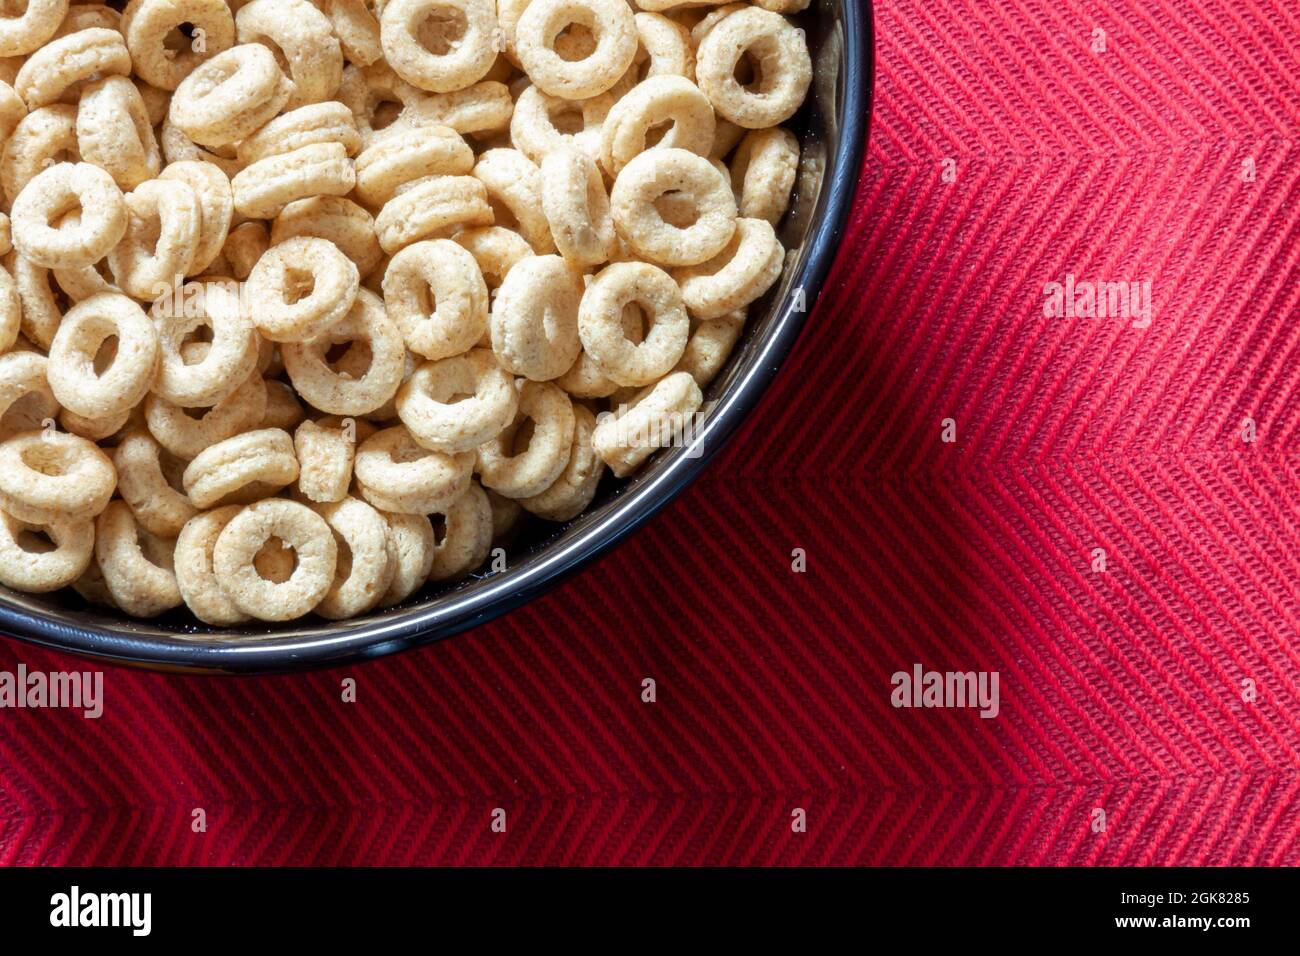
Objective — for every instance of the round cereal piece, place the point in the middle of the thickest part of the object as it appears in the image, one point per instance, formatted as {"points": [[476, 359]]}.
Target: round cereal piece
{"points": [[283, 410], [577, 207], [585, 378], [216, 205], [465, 537], [41, 309], [395, 474], [648, 106], [781, 60], [162, 237], [114, 133], [325, 450], [534, 318], [12, 111], [151, 26], [665, 47], [710, 20], [725, 137], [430, 207], [48, 476], [245, 245], [363, 572], [357, 29], [495, 249], [478, 110], [25, 397], [39, 558], [436, 295], [428, 405], [570, 494], [220, 474], [746, 268], [506, 516], [709, 347], [303, 36], [41, 138], [263, 189], [231, 355], [411, 545], [229, 97], [85, 16], [50, 194], [651, 175], [29, 30], [434, 59], [186, 437], [73, 371], [377, 97], [600, 322], [61, 64], [301, 288], [335, 219], [763, 172], [179, 148], [612, 26], [142, 481], [11, 312], [521, 472], [365, 376], [407, 155], [514, 187], [195, 575], [658, 414], [328, 122], [543, 123], [95, 429], [248, 532], [137, 566], [156, 101]]}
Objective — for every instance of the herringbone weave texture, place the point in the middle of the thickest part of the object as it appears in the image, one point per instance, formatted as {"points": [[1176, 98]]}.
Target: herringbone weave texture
{"points": [[1120, 690]]}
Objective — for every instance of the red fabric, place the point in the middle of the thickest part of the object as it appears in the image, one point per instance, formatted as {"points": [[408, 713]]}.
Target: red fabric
{"points": [[1119, 690]]}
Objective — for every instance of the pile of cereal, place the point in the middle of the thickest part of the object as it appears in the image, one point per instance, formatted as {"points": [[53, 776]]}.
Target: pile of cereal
{"points": [[304, 303]]}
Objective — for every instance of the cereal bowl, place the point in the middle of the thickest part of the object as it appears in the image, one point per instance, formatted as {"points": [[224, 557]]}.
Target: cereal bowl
{"points": [[832, 128]]}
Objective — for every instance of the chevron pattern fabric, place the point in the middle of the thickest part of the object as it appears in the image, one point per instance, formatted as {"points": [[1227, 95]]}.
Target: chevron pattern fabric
{"points": [[1014, 143]]}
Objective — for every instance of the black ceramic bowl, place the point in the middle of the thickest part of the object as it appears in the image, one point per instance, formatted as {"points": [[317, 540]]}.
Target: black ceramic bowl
{"points": [[832, 127]]}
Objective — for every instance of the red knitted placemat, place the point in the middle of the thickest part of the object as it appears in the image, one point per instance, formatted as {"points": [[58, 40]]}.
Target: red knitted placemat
{"points": [[1161, 149]]}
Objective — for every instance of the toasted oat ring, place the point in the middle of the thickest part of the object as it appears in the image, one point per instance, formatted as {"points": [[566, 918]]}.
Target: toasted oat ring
{"points": [[611, 24], [76, 382], [429, 207], [325, 450], [328, 122], [60, 64], [533, 129], [161, 238], [248, 532], [195, 575], [482, 108], [148, 26], [363, 572], [495, 249], [435, 293], [216, 205], [137, 566], [25, 397], [425, 406], [334, 219], [52, 193], [367, 375], [304, 37], [12, 110], [763, 172], [665, 47], [521, 474], [263, 189], [143, 484], [300, 288], [466, 536], [600, 322], [407, 155], [186, 437], [95, 429], [114, 133], [534, 319], [577, 207], [395, 474], [48, 476], [783, 65], [403, 26], [648, 105], [283, 410], [26, 32], [178, 147], [357, 29], [39, 571], [44, 136], [514, 187], [411, 544], [657, 414], [650, 175], [571, 493], [245, 245], [11, 312], [709, 346], [229, 97], [220, 473], [737, 275], [231, 355], [41, 311]]}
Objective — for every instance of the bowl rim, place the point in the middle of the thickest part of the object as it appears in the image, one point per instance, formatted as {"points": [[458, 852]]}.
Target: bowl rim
{"points": [[376, 636]]}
